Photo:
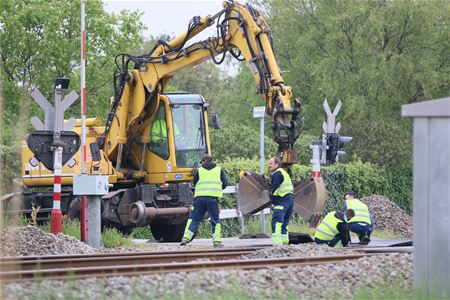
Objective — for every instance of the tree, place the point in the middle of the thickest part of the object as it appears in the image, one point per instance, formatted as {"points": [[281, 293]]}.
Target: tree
{"points": [[374, 56], [40, 42]]}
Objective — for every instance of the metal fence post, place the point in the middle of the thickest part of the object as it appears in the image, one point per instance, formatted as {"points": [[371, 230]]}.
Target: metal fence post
{"points": [[260, 112]]}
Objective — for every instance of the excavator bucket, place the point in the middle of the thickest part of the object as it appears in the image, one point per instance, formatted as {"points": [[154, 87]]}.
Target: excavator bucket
{"points": [[309, 199], [309, 196], [253, 193]]}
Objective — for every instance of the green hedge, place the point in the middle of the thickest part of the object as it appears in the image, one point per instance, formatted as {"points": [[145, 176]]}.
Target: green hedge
{"points": [[239, 141], [9, 166], [363, 178]]}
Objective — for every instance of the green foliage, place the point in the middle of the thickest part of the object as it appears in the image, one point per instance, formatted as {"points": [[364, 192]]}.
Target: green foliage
{"points": [[111, 238], [204, 79], [363, 178], [383, 235], [393, 290], [374, 56], [296, 224], [6, 220], [141, 233], [40, 42], [9, 166], [236, 140], [71, 227], [398, 184], [229, 227]]}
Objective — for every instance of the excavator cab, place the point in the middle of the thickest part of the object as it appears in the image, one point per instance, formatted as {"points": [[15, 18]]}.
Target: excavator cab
{"points": [[178, 134], [189, 131]]}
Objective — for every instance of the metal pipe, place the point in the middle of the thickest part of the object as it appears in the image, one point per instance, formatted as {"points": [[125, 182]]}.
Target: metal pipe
{"points": [[142, 215], [315, 161], [141, 167], [262, 218], [119, 156]]}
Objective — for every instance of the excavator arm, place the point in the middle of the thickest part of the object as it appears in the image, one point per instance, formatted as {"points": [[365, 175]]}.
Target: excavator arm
{"points": [[241, 31]]}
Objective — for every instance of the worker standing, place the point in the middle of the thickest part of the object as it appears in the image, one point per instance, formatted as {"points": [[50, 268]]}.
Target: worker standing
{"points": [[362, 223], [283, 202], [333, 230], [209, 182]]}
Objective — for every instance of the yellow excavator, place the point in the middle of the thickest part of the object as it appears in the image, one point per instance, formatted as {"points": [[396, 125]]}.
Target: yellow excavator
{"points": [[152, 140]]}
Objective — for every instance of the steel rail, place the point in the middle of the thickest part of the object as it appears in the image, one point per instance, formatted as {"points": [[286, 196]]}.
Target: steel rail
{"points": [[57, 263], [136, 253], [147, 269]]}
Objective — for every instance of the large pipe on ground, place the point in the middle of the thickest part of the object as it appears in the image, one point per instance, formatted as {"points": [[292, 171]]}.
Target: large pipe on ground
{"points": [[142, 215]]}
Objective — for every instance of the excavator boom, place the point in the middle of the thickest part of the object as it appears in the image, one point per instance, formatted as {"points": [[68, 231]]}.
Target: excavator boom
{"points": [[243, 32]]}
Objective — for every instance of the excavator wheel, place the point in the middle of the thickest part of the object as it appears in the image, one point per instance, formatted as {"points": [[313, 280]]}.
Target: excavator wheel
{"points": [[73, 212], [166, 233]]}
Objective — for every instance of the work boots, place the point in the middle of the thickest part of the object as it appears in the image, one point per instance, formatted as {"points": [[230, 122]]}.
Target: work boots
{"points": [[184, 242], [365, 240], [217, 244]]}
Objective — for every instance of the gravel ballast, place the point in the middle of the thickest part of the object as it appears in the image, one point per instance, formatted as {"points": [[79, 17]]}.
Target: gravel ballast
{"points": [[30, 241], [305, 282], [388, 216], [302, 250]]}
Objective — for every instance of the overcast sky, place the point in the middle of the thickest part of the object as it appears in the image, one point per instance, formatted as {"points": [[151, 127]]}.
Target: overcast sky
{"points": [[169, 17]]}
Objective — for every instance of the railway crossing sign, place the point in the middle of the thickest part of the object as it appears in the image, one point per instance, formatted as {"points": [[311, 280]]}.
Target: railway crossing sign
{"points": [[54, 132], [42, 145], [330, 141], [329, 126]]}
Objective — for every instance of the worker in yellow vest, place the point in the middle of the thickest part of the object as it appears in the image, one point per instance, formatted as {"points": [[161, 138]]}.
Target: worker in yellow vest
{"points": [[333, 229], [209, 182], [159, 128], [283, 202], [362, 223]]}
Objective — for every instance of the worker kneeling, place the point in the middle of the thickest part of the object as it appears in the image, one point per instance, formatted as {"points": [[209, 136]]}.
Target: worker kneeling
{"points": [[362, 223], [209, 182], [333, 230], [283, 202]]}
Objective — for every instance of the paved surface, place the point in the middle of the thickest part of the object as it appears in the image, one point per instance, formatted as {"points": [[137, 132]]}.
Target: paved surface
{"points": [[236, 242]]}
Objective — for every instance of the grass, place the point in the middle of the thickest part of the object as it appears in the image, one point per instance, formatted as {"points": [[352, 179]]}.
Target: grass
{"points": [[141, 233], [296, 224], [111, 238], [234, 290], [386, 235], [395, 291], [6, 221]]}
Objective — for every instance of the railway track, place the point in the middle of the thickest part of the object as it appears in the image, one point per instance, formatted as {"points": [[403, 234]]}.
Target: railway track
{"points": [[136, 264], [117, 259]]}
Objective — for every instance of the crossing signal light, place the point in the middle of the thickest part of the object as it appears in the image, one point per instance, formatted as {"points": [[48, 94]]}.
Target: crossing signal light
{"points": [[334, 143]]}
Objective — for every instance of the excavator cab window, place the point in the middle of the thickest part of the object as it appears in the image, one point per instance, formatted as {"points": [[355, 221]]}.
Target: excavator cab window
{"points": [[189, 133], [158, 135]]}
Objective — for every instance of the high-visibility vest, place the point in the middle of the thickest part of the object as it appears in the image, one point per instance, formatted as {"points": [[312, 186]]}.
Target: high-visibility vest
{"points": [[286, 186], [159, 130], [209, 183], [361, 211], [327, 229]]}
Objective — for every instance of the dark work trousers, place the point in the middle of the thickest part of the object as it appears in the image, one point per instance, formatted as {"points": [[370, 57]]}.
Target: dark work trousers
{"points": [[337, 238], [204, 204], [282, 215], [361, 229]]}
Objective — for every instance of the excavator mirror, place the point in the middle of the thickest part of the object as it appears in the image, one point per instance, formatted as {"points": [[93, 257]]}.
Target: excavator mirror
{"points": [[215, 121]]}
